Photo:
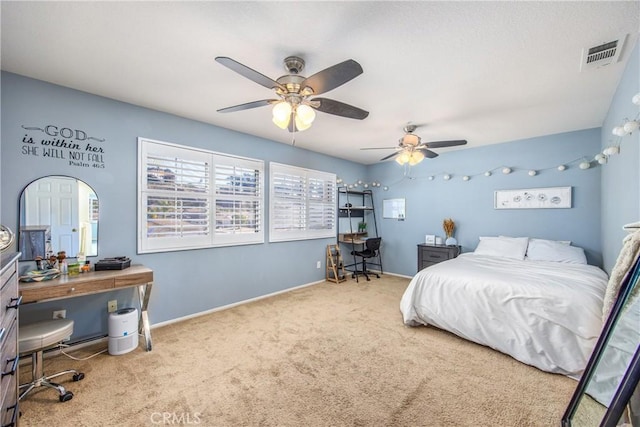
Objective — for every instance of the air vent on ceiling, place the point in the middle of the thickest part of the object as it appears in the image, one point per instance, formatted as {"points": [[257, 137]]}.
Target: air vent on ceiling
{"points": [[601, 55]]}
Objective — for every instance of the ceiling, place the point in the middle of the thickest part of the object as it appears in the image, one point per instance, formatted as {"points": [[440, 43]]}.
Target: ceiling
{"points": [[488, 72]]}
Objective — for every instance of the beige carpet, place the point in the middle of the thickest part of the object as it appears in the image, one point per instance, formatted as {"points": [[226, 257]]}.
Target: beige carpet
{"points": [[326, 355]]}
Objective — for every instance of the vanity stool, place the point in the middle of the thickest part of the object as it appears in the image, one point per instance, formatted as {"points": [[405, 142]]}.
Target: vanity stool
{"points": [[34, 339]]}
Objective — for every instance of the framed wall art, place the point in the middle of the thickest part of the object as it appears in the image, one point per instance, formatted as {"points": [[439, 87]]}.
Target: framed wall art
{"points": [[393, 208], [533, 198]]}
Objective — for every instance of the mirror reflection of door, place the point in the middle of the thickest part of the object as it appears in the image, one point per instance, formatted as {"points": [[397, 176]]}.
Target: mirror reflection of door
{"points": [[67, 208], [54, 202]]}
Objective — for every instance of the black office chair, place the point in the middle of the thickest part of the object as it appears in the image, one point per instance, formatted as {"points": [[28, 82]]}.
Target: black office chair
{"points": [[371, 250]]}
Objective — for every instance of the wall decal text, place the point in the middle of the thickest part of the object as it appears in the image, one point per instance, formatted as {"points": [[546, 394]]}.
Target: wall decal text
{"points": [[74, 146]]}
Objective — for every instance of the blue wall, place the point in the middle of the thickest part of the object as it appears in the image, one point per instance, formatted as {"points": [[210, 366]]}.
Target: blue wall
{"points": [[470, 203], [193, 281], [186, 282], [621, 176]]}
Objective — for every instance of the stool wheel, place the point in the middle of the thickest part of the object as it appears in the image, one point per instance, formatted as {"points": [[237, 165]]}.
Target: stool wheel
{"points": [[66, 396], [79, 376]]}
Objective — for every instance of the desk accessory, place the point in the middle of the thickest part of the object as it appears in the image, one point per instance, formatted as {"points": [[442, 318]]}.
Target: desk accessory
{"points": [[117, 263], [40, 275]]}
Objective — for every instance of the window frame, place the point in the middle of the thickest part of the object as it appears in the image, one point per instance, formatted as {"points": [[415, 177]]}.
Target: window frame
{"points": [[213, 161], [302, 230]]}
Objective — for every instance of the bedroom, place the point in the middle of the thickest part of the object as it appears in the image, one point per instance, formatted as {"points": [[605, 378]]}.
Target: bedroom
{"points": [[601, 204]]}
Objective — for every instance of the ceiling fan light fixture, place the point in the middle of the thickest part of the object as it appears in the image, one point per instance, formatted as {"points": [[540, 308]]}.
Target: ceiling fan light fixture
{"points": [[410, 139], [282, 124], [294, 89], [301, 124], [305, 113], [282, 114], [403, 158], [413, 150], [416, 157]]}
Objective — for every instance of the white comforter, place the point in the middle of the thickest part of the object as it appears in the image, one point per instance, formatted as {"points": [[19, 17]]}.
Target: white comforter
{"points": [[545, 314]]}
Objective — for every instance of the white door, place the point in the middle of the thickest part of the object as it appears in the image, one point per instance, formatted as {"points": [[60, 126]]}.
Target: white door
{"points": [[54, 202]]}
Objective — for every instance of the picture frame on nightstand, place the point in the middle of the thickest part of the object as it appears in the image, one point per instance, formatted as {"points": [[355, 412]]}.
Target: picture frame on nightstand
{"points": [[430, 239]]}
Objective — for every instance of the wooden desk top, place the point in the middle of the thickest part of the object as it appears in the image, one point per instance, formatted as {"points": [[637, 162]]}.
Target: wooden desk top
{"points": [[85, 283], [357, 238]]}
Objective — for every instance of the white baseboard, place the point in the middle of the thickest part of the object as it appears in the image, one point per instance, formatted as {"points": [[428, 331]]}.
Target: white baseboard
{"points": [[399, 275], [235, 304], [390, 274]]}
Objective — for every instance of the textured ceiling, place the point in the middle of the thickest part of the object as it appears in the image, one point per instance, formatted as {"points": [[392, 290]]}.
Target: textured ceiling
{"points": [[488, 72]]}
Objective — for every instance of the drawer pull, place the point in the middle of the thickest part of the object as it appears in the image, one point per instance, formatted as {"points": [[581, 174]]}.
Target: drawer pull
{"points": [[14, 417], [436, 256], [14, 367], [72, 290], [18, 301]]}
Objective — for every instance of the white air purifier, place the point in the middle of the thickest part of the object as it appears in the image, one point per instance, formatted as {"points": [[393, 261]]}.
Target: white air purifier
{"points": [[123, 331]]}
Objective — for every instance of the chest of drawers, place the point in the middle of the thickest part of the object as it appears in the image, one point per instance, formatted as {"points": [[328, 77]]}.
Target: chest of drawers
{"points": [[433, 254], [9, 340]]}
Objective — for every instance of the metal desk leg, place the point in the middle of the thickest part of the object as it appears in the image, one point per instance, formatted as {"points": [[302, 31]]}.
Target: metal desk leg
{"points": [[143, 292]]}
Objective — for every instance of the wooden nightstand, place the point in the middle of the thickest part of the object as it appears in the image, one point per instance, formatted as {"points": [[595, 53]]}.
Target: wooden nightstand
{"points": [[433, 254]]}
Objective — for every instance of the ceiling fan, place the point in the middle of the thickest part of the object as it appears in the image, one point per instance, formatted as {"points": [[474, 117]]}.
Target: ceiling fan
{"points": [[294, 107], [412, 150]]}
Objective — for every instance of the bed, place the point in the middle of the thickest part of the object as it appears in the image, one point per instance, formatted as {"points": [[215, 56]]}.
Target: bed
{"points": [[533, 299]]}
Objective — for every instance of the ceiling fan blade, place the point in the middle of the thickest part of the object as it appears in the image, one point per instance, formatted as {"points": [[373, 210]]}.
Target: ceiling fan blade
{"points": [[332, 77], [441, 144], [338, 108], [428, 153], [249, 73], [389, 156], [380, 148], [248, 105]]}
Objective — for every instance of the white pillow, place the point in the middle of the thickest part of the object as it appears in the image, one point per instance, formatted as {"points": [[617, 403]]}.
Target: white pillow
{"points": [[564, 242], [506, 247], [550, 250]]}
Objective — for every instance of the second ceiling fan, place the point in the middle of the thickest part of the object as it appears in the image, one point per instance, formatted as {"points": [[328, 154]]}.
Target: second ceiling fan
{"points": [[294, 107], [412, 150]]}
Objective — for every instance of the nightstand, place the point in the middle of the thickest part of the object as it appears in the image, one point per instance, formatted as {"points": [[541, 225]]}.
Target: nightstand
{"points": [[433, 254]]}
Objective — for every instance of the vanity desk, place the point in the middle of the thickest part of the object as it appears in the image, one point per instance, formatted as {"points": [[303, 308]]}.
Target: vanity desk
{"points": [[69, 286]]}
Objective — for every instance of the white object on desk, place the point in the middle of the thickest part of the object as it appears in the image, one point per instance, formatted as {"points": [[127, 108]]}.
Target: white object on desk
{"points": [[430, 239], [438, 240]]}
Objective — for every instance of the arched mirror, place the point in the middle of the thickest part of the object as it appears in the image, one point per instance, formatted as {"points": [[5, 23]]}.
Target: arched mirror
{"points": [[58, 213]]}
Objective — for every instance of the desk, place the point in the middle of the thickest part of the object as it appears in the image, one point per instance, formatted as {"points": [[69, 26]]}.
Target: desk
{"points": [[95, 282], [357, 238]]}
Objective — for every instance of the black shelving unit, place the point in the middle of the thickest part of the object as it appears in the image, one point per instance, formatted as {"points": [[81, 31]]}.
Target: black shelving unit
{"points": [[355, 207]]}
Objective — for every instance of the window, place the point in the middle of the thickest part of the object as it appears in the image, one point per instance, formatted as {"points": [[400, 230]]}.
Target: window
{"points": [[191, 198], [302, 203], [94, 209]]}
